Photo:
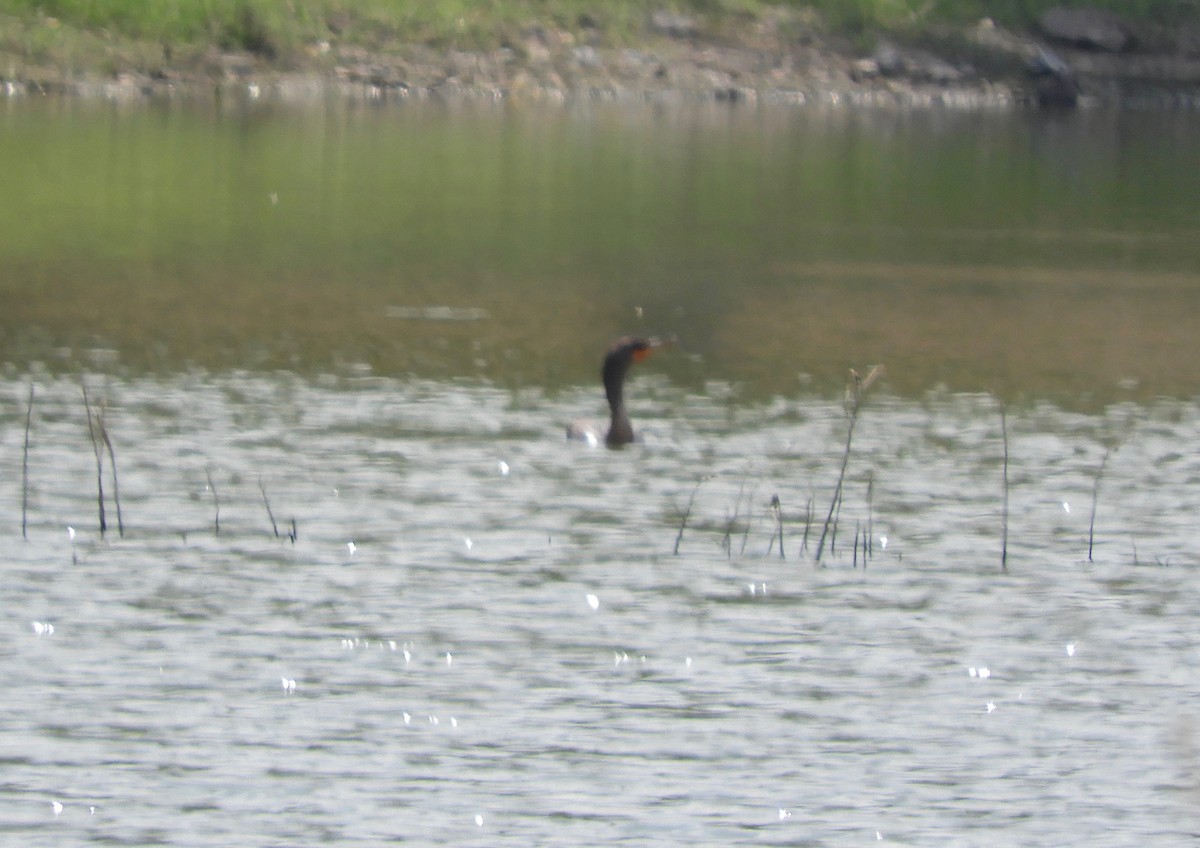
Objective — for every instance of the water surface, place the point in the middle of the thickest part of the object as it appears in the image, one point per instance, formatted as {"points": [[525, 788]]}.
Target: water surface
{"points": [[492, 642], [367, 594], [1022, 254]]}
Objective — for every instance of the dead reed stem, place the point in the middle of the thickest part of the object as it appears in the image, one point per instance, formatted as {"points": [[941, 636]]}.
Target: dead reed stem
{"points": [[808, 517], [869, 533], [837, 497], [87, 407], [749, 518], [112, 464], [855, 392], [837, 520], [777, 511], [1095, 500], [727, 539], [212, 487], [267, 503], [683, 520], [25, 468], [1004, 508], [777, 530]]}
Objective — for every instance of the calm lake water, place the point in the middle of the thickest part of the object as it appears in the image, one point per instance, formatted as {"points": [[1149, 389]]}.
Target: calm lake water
{"points": [[367, 594]]}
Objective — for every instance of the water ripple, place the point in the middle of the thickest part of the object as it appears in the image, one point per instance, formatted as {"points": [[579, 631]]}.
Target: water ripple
{"points": [[483, 635]]}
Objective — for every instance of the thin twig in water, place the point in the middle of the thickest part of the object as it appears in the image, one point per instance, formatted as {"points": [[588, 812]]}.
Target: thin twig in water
{"points": [[263, 489], [749, 519], [687, 514], [1004, 508], [1095, 499], [727, 539], [808, 517], [212, 487], [112, 464], [855, 392], [25, 468], [869, 533], [777, 510], [837, 518], [87, 407], [777, 530]]}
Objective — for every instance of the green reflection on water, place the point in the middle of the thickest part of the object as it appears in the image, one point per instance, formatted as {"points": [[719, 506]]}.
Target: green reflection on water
{"points": [[1022, 254]]}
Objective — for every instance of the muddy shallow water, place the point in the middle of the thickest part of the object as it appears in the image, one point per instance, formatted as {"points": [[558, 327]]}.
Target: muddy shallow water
{"points": [[491, 642], [1031, 256]]}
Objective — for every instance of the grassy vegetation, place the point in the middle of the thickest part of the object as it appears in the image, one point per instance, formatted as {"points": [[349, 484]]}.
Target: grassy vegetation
{"points": [[50, 39], [283, 30]]}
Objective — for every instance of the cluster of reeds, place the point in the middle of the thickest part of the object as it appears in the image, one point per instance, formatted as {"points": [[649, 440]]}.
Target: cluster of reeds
{"points": [[862, 549], [856, 390], [863, 546], [102, 444], [291, 534], [104, 452]]}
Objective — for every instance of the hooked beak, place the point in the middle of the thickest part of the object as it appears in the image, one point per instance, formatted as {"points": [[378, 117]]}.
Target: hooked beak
{"points": [[653, 344]]}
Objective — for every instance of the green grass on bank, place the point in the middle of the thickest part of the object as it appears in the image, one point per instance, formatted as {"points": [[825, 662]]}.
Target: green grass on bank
{"points": [[275, 27], [283, 29]]}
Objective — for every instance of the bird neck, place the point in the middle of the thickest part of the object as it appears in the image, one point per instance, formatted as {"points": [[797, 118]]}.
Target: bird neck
{"points": [[620, 429]]}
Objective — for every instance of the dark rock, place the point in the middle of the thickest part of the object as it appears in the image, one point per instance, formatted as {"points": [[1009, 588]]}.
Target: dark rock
{"points": [[1093, 29], [888, 61], [1056, 92], [1047, 63], [1054, 83]]}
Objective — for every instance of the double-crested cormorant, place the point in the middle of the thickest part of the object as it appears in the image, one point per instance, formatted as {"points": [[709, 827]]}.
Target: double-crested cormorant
{"points": [[621, 354]]}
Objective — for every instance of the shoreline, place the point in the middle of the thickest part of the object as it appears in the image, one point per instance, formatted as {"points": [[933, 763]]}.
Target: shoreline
{"points": [[978, 67]]}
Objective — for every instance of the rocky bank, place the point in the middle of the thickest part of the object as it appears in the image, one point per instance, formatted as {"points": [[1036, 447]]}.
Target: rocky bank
{"points": [[1073, 57]]}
